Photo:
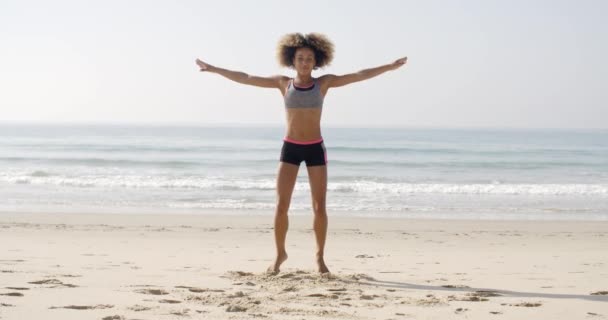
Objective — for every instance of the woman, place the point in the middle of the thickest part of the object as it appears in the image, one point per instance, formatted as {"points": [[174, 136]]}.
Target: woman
{"points": [[303, 96]]}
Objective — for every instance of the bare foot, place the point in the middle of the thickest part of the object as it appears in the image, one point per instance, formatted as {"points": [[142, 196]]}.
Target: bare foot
{"points": [[275, 267], [321, 265]]}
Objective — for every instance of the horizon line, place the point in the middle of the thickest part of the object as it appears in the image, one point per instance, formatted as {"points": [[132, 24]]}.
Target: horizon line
{"points": [[277, 125]]}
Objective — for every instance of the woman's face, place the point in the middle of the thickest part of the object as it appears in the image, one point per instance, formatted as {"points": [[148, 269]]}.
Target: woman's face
{"points": [[304, 60]]}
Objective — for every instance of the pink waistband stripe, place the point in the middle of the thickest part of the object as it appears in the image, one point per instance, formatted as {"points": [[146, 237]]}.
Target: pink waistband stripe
{"points": [[286, 139]]}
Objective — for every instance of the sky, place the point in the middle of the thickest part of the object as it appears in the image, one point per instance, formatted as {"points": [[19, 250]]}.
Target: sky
{"points": [[489, 64]]}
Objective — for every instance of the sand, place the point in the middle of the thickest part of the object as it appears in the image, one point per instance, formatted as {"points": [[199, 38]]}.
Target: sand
{"points": [[211, 266]]}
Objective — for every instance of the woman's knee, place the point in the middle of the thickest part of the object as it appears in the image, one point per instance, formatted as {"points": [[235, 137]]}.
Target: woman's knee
{"points": [[318, 206], [282, 205]]}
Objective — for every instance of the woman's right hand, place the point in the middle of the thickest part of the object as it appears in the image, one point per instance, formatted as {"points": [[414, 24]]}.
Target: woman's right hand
{"points": [[203, 66]]}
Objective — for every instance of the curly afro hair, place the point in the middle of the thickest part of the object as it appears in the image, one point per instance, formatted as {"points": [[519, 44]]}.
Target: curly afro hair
{"points": [[319, 43]]}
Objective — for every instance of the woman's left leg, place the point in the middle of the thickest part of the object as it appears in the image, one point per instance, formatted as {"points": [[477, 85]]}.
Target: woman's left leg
{"points": [[317, 177]]}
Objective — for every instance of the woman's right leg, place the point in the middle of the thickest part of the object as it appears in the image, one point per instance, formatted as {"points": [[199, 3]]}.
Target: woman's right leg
{"points": [[286, 180]]}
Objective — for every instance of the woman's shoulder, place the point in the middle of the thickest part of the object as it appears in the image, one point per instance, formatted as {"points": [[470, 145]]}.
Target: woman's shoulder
{"points": [[280, 77], [283, 80], [325, 79]]}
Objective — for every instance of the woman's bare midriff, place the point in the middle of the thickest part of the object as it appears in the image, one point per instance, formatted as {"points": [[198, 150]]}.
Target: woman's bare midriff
{"points": [[303, 124]]}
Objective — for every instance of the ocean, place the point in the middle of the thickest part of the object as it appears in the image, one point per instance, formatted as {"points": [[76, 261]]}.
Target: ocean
{"points": [[497, 174]]}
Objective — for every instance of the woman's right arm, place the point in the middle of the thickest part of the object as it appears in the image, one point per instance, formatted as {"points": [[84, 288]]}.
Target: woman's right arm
{"points": [[244, 78]]}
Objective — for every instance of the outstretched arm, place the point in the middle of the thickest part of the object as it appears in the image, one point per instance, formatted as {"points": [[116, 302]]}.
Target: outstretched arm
{"points": [[244, 78], [333, 81]]}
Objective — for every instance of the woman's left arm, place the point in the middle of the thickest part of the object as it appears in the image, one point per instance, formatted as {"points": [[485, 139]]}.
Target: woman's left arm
{"points": [[333, 81]]}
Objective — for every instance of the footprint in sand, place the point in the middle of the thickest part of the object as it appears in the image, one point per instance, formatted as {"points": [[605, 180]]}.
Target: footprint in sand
{"points": [[156, 292], [430, 300], [467, 298], [116, 317], [477, 296], [182, 313], [199, 290], [12, 294], [368, 297], [56, 283], [483, 293], [451, 286], [99, 306], [236, 309], [138, 308], [290, 289], [360, 276], [17, 288], [524, 304], [238, 294], [169, 301], [240, 273], [321, 295], [460, 310]]}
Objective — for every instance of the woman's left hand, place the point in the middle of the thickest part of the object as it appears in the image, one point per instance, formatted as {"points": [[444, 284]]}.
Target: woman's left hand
{"points": [[399, 62]]}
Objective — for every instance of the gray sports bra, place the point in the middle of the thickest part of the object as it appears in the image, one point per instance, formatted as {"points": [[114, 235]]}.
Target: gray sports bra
{"points": [[298, 97]]}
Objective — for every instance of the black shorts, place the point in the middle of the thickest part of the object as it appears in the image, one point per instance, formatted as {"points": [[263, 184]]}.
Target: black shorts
{"points": [[313, 154]]}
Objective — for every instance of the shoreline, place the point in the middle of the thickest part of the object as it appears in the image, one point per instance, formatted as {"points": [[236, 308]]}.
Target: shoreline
{"points": [[299, 213]]}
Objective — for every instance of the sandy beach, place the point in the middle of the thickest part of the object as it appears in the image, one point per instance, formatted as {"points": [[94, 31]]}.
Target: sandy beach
{"points": [[135, 266]]}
